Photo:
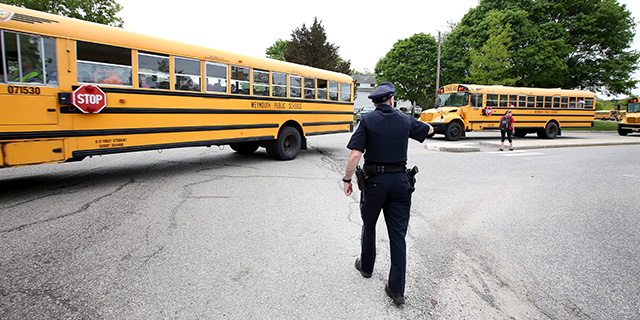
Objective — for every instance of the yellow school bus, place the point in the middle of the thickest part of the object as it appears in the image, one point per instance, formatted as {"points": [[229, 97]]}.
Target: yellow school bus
{"points": [[468, 107], [71, 89], [606, 115], [631, 121]]}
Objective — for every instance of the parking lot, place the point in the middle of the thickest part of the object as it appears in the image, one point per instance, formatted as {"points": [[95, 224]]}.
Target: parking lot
{"points": [[207, 233]]}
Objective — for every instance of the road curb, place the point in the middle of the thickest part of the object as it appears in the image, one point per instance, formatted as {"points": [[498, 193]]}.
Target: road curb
{"points": [[550, 146], [452, 149]]}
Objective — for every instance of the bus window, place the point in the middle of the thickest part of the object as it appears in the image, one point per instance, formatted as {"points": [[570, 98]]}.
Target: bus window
{"points": [[588, 103], [531, 101], [295, 86], [548, 102], [309, 88], [564, 101], [153, 71], [513, 100], [333, 91], [556, 102], [345, 92], [540, 101], [322, 89], [522, 101], [240, 80], [25, 56], [279, 81], [50, 61], [260, 82], [504, 99], [457, 99], [476, 100], [572, 102], [187, 73], [104, 64], [492, 100], [580, 103], [216, 77]]}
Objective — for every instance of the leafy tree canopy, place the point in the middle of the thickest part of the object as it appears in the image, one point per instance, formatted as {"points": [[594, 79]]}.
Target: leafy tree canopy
{"points": [[491, 63], [568, 44], [309, 46], [276, 51], [411, 66], [99, 11]]}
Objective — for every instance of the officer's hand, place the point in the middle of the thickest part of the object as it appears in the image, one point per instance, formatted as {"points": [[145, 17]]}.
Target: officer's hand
{"points": [[348, 188]]}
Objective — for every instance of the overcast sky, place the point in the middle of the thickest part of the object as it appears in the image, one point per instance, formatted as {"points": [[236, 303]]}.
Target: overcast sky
{"points": [[364, 30]]}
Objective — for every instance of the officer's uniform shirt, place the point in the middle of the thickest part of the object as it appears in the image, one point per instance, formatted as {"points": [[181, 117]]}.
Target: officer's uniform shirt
{"points": [[382, 135]]}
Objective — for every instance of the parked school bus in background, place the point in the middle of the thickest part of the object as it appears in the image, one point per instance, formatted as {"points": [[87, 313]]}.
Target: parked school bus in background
{"points": [[606, 115], [462, 108], [631, 121], [149, 94]]}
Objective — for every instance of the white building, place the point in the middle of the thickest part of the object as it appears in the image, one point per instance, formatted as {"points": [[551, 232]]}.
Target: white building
{"points": [[365, 83]]}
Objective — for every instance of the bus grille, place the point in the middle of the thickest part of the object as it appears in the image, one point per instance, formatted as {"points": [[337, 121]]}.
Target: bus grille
{"points": [[632, 120]]}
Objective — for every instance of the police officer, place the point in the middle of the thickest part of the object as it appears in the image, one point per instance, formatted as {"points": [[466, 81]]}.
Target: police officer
{"points": [[382, 136]]}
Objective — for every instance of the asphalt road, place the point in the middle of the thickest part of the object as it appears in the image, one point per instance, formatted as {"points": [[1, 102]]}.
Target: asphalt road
{"points": [[204, 233]]}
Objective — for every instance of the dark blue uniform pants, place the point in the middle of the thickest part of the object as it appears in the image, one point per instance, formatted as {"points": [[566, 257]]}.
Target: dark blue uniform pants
{"points": [[390, 193]]}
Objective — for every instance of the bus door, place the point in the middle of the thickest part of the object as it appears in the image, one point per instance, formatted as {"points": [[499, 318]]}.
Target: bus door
{"points": [[29, 80], [475, 116]]}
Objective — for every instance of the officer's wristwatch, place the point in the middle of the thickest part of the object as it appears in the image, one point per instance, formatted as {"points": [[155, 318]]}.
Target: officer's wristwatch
{"points": [[346, 180]]}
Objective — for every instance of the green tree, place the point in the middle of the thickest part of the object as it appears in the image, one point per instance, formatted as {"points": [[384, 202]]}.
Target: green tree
{"points": [[309, 46], [99, 11], [411, 66], [276, 51], [492, 64], [568, 44]]}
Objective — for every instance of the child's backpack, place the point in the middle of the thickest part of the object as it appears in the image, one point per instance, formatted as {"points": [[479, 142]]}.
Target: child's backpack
{"points": [[504, 123]]}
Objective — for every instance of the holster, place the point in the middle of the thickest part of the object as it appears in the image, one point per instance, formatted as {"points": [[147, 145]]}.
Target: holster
{"points": [[362, 178], [412, 178]]}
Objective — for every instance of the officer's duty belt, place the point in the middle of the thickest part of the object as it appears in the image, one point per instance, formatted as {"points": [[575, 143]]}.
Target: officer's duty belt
{"points": [[373, 169]]}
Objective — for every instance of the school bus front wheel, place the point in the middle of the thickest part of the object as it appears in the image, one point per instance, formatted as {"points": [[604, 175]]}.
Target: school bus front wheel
{"points": [[453, 132]]}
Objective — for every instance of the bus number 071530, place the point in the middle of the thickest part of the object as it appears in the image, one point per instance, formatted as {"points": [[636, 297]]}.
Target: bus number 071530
{"points": [[23, 90]]}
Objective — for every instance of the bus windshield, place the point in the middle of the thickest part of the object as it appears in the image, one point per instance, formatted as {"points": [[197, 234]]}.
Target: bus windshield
{"points": [[457, 99], [633, 107]]}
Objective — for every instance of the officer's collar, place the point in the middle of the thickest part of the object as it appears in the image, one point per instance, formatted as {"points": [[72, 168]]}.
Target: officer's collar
{"points": [[384, 108]]}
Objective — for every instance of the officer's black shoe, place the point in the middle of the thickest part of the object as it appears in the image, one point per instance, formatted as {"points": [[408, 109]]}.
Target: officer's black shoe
{"points": [[398, 299], [364, 274]]}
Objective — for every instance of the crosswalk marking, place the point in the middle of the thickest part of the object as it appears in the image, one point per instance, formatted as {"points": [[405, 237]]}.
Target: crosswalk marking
{"points": [[516, 153], [511, 154]]}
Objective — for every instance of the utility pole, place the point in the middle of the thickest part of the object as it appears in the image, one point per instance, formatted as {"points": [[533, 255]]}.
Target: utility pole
{"points": [[435, 99]]}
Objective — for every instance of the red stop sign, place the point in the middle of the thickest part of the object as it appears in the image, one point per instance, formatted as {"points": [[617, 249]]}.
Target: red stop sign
{"points": [[89, 99], [489, 111]]}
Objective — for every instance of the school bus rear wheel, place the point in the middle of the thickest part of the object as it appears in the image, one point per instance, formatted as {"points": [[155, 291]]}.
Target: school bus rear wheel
{"points": [[286, 146], [549, 132]]}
